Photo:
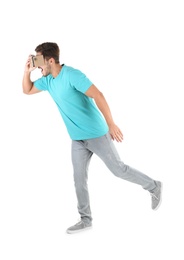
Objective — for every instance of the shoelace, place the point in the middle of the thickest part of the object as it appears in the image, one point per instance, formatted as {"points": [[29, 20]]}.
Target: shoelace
{"points": [[80, 222], [154, 196]]}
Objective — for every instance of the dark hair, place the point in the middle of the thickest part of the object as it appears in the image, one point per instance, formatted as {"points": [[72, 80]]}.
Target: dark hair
{"points": [[49, 50]]}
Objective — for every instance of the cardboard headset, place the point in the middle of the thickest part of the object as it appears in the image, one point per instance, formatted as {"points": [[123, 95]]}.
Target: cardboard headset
{"points": [[37, 61]]}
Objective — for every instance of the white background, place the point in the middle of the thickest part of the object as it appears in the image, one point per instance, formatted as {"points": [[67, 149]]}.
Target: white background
{"points": [[133, 51]]}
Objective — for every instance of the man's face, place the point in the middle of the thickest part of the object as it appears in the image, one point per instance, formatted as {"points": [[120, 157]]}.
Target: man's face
{"points": [[46, 68]]}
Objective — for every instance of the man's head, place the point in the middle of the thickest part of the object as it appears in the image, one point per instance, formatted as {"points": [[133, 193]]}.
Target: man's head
{"points": [[50, 52]]}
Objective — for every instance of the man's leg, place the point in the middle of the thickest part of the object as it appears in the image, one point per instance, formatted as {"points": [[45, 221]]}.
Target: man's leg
{"points": [[105, 149], [80, 158]]}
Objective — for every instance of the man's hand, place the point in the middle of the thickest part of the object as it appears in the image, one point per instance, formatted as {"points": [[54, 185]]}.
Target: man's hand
{"points": [[28, 67], [27, 84], [115, 133]]}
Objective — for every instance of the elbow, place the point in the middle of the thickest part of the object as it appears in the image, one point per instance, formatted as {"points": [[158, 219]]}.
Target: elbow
{"points": [[99, 95], [99, 98], [25, 92], [27, 87]]}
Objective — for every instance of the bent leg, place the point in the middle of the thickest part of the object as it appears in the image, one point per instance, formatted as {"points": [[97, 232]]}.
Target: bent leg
{"points": [[106, 150]]}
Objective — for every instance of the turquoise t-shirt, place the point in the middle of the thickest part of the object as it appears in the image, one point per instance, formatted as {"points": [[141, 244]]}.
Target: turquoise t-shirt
{"points": [[81, 116]]}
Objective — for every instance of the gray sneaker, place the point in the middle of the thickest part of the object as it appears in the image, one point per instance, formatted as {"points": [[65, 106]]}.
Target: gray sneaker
{"points": [[80, 226], [156, 195]]}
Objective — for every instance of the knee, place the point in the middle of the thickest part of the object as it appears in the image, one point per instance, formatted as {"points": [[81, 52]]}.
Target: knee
{"points": [[120, 169]]}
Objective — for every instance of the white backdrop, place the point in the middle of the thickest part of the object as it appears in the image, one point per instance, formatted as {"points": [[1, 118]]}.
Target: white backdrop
{"points": [[133, 52]]}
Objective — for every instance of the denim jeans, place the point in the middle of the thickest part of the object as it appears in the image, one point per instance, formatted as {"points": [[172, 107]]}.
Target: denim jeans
{"points": [[103, 147]]}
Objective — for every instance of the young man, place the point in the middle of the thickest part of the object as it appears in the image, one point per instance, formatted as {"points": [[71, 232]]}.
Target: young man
{"points": [[90, 125]]}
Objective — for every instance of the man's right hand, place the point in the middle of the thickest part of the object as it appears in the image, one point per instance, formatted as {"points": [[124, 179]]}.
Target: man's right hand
{"points": [[27, 84], [28, 67]]}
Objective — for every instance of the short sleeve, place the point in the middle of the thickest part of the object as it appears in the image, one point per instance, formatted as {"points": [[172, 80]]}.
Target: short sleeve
{"points": [[79, 81], [40, 84]]}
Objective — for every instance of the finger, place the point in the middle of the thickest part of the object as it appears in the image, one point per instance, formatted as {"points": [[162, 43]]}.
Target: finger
{"points": [[112, 137], [120, 133], [119, 137]]}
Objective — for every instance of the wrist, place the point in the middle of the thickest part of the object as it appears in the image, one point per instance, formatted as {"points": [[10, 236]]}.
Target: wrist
{"points": [[110, 124], [26, 71]]}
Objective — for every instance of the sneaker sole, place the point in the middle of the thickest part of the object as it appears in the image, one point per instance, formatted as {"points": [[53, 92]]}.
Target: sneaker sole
{"points": [[77, 231]]}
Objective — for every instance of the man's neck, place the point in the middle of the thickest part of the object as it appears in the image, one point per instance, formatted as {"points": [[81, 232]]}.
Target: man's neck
{"points": [[56, 70]]}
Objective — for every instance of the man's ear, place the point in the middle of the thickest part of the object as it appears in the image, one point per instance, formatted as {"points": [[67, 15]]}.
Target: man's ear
{"points": [[51, 61]]}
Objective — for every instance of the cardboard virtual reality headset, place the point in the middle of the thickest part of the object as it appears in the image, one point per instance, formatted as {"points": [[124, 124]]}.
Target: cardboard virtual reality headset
{"points": [[37, 61]]}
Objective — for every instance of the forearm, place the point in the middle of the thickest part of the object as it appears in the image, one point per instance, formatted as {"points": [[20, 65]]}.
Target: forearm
{"points": [[27, 84], [104, 108], [114, 130], [101, 103]]}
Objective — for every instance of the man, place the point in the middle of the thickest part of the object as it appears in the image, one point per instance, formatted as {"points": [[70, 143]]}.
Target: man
{"points": [[90, 125]]}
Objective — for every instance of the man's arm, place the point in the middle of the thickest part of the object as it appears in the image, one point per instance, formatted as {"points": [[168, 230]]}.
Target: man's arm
{"points": [[27, 84], [101, 103]]}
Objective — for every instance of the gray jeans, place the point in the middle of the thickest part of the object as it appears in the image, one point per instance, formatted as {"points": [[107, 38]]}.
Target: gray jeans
{"points": [[103, 147]]}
